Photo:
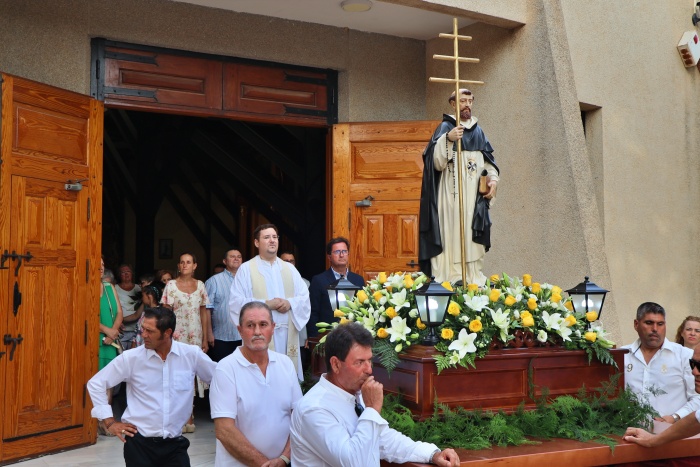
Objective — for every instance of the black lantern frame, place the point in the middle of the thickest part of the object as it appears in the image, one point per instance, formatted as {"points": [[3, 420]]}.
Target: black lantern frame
{"points": [[588, 296], [341, 290], [432, 300]]}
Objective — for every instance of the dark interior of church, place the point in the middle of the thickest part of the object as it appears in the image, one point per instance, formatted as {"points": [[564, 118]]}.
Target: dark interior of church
{"points": [[200, 165]]}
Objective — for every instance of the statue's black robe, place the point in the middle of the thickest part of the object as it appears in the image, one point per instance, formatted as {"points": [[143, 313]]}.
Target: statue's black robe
{"points": [[429, 241]]}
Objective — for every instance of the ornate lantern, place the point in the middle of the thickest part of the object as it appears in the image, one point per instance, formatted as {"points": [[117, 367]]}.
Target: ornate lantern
{"points": [[341, 292], [432, 300], [587, 297]]}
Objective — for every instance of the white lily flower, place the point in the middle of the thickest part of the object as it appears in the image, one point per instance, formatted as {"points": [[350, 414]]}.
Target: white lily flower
{"points": [[552, 322], [502, 321], [464, 343], [542, 336], [399, 300], [565, 331], [396, 281], [465, 318], [454, 358], [546, 286], [413, 313], [398, 330], [477, 302]]}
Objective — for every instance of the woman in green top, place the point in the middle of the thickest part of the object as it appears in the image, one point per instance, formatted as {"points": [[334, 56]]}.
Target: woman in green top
{"points": [[110, 320]]}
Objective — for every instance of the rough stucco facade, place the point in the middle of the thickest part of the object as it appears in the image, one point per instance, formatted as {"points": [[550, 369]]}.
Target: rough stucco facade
{"points": [[618, 203]]}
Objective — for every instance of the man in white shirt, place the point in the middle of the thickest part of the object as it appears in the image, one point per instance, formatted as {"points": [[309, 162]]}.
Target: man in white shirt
{"points": [[657, 369], [279, 285], [161, 375], [251, 396], [338, 421], [685, 428]]}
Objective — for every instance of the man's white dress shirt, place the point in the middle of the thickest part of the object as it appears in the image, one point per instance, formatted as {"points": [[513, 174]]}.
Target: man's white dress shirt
{"points": [[326, 431], [160, 392], [669, 372], [260, 405], [298, 315]]}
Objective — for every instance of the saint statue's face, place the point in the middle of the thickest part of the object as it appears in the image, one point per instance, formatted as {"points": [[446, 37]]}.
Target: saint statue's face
{"points": [[465, 106]]}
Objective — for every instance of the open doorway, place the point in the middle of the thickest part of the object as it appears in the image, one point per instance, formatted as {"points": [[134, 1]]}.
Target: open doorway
{"points": [[175, 183]]}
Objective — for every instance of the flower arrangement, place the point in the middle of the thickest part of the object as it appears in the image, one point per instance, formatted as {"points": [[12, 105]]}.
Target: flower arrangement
{"points": [[507, 312]]}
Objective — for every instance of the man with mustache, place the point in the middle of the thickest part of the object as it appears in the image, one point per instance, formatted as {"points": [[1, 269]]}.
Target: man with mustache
{"points": [[338, 421], [657, 369], [439, 244], [685, 428], [251, 396]]}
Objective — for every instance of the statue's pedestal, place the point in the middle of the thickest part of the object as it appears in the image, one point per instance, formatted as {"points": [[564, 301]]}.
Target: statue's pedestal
{"points": [[501, 380]]}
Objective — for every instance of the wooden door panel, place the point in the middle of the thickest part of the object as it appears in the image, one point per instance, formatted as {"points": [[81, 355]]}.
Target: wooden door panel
{"points": [[49, 136], [382, 160]]}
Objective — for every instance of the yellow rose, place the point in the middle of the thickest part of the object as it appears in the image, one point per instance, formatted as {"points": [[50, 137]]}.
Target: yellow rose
{"points": [[494, 295], [528, 321], [556, 289], [510, 300], [531, 303], [388, 288], [555, 297], [475, 325], [382, 334], [338, 314], [448, 286], [381, 277], [536, 287], [570, 320], [590, 336], [472, 287], [568, 305], [524, 314], [592, 315], [362, 296], [408, 281], [527, 280], [391, 313], [344, 320], [419, 324], [377, 295], [453, 309], [447, 333], [494, 278]]}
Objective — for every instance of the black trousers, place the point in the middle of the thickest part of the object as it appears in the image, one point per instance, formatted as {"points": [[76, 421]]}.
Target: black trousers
{"points": [[140, 451], [222, 349]]}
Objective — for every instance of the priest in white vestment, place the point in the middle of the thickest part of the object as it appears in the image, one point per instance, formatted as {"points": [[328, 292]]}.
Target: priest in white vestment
{"points": [[440, 250], [268, 279]]}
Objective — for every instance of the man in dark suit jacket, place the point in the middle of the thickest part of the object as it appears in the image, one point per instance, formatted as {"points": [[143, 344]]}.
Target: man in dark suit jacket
{"points": [[338, 251]]}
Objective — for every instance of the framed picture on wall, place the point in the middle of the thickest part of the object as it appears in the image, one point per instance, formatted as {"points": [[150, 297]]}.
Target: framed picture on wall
{"points": [[165, 248]]}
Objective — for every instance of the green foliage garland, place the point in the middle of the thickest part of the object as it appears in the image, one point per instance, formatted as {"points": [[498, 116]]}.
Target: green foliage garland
{"points": [[587, 417]]}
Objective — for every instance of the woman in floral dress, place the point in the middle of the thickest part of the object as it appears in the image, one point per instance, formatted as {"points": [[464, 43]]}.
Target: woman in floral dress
{"points": [[187, 297]]}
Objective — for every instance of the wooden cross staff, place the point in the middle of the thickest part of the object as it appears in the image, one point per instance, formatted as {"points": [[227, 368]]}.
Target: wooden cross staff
{"points": [[458, 162]]}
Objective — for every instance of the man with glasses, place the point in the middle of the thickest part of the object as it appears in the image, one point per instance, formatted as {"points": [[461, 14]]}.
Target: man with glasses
{"points": [[266, 278], [338, 251], [657, 369], [338, 421]]}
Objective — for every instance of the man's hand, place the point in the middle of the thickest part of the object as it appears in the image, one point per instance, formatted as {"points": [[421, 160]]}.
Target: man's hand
{"points": [[446, 458], [373, 394], [280, 304], [276, 462], [639, 436], [455, 133], [666, 418], [122, 430], [492, 189]]}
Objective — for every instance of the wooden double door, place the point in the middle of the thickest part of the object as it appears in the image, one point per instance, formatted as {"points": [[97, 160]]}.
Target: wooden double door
{"points": [[50, 234]]}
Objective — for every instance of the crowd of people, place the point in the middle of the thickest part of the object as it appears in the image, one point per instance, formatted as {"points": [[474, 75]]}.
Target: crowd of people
{"points": [[243, 336]]}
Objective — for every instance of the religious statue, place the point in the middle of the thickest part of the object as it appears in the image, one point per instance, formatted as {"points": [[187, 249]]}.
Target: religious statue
{"points": [[439, 250]]}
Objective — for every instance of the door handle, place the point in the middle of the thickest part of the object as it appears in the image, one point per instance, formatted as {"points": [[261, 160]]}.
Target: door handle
{"points": [[365, 203], [8, 339], [413, 264]]}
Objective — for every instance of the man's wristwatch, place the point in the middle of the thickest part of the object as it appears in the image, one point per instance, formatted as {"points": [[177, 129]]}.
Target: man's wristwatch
{"points": [[676, 417]]}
